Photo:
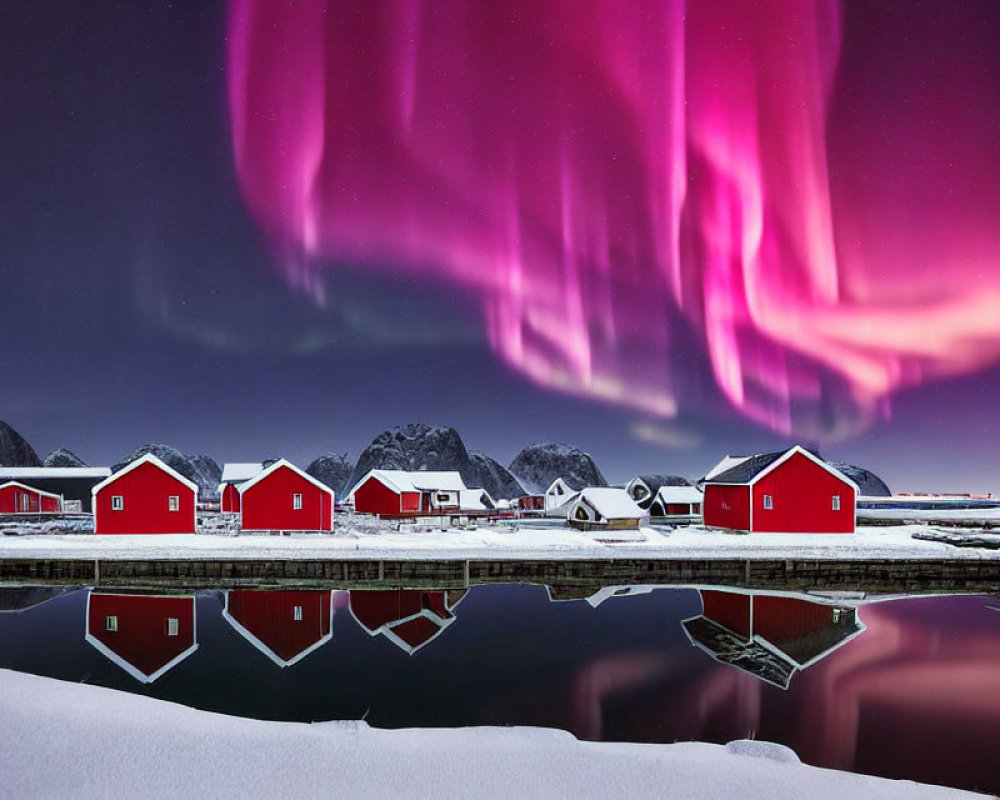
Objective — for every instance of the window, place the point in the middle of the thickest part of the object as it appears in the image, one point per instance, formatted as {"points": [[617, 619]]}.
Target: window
{"points": [[297, 613], [173, 626], [117, 502], [836, 502], [111, 623], [442, 497], [296, 502], [768, 502], [175, 502]]}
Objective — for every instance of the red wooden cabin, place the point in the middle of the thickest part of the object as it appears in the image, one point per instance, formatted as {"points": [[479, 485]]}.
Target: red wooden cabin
{"points": [[16, 498], [145, 635], [793, 491], [284, 626], [284, 498], [409, 618], [145, 496], [397, 494]]}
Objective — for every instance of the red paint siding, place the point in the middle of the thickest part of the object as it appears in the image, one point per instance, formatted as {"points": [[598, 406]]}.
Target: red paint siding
{"points": [[729, 609], [267, 505], [377, 608], [727, 506], [51, 505], [15, 500], [270, 616], [374, 497], [782, 618], [230, 499], [146, 491], [141, 638], [802, 494]]}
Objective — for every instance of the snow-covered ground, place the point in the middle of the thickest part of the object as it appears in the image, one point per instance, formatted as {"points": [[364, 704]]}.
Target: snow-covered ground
{"points": [[71, 740], [497, 543]]}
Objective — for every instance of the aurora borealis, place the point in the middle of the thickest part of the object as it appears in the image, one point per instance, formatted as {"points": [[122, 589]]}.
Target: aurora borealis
{"points": [[658, 231], [604, 174]]}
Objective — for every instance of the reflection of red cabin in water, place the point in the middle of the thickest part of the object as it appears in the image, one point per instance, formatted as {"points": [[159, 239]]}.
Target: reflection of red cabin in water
{"points": [[16, 498], [284, 498], [146, 496], [284, 626], [409, 618], [793, 491], [145, 635], [770, 636]]}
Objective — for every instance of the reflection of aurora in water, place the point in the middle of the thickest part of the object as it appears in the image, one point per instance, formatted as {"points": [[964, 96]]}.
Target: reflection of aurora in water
{"points": [[612, 177]]}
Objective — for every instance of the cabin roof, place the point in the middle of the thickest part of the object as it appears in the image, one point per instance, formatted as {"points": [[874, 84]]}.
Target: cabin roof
{"points": [[237, 472], [274, 468], [611, 503], [26, 473], [679, 494], [148, 458], [748, 469]]}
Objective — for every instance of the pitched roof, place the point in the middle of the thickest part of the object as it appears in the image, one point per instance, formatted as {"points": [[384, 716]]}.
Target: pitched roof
{"points": [[400, 480], [28, 489], [148, 458], [611, 503], [747, 469], [679, 494], [274, 468]]}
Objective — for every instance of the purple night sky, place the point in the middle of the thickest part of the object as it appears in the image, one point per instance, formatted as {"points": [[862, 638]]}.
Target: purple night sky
{"points": [[662, 232]]}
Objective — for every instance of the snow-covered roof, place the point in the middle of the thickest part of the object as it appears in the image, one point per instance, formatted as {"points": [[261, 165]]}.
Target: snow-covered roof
{"points": [[611, 503], [473, 500], [726, 464], [31, 489], [149, 458], [53, 472], [415, 481], [679, 494], [748, 470], [238, 472]]}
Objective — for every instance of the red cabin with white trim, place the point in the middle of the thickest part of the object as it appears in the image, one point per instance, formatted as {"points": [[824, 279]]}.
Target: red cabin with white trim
{"points": [[145, 635], [284, 498], [394, 493], [145, 496], [16, 498], [284, 626], [793, 491]]}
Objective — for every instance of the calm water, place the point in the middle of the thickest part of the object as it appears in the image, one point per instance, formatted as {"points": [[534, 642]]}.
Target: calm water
{"points": [[905, 688]]}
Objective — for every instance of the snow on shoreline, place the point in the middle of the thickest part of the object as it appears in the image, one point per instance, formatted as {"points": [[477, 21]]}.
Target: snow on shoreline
{"points": [[493, 543], [107, 743]]}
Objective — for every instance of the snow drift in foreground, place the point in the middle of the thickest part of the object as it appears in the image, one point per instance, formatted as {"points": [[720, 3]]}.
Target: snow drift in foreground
{"points": [[113, 744]]}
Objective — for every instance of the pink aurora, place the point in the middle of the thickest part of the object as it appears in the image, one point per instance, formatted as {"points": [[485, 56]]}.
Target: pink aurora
{"points": [[617, 180]]}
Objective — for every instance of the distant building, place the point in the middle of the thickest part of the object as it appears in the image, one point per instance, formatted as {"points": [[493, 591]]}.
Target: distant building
{"points": [[145, 496], [145, 635], [770, 636], [409, 618], [676, 504], [558, 495], [232, 476], [71, 483], [16, 498], [283, 497], [398, 494], [285, 626], [530, 502], [604, 508], [791, 491], [644, 488]]}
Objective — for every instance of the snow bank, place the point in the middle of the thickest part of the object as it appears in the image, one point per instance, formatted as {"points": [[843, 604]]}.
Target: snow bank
{"points": [[545, 542], [113, 744]]}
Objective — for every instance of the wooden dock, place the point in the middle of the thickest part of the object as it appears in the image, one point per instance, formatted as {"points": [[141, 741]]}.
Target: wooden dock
{"points": [[567, 578]]}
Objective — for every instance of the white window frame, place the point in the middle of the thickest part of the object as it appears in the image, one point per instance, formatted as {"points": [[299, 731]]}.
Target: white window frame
{"points": [[174, 502], [297, 613], [111, 623], [835, 502], [296, 502], [173, 626], [769, 502], [117, 502]]}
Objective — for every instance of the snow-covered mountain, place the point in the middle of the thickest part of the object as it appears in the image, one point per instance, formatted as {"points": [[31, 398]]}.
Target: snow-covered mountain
{"points": [[15, 450], [63, 458], [537, 465], [205, 473], [418, 446], [333, 470]]}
